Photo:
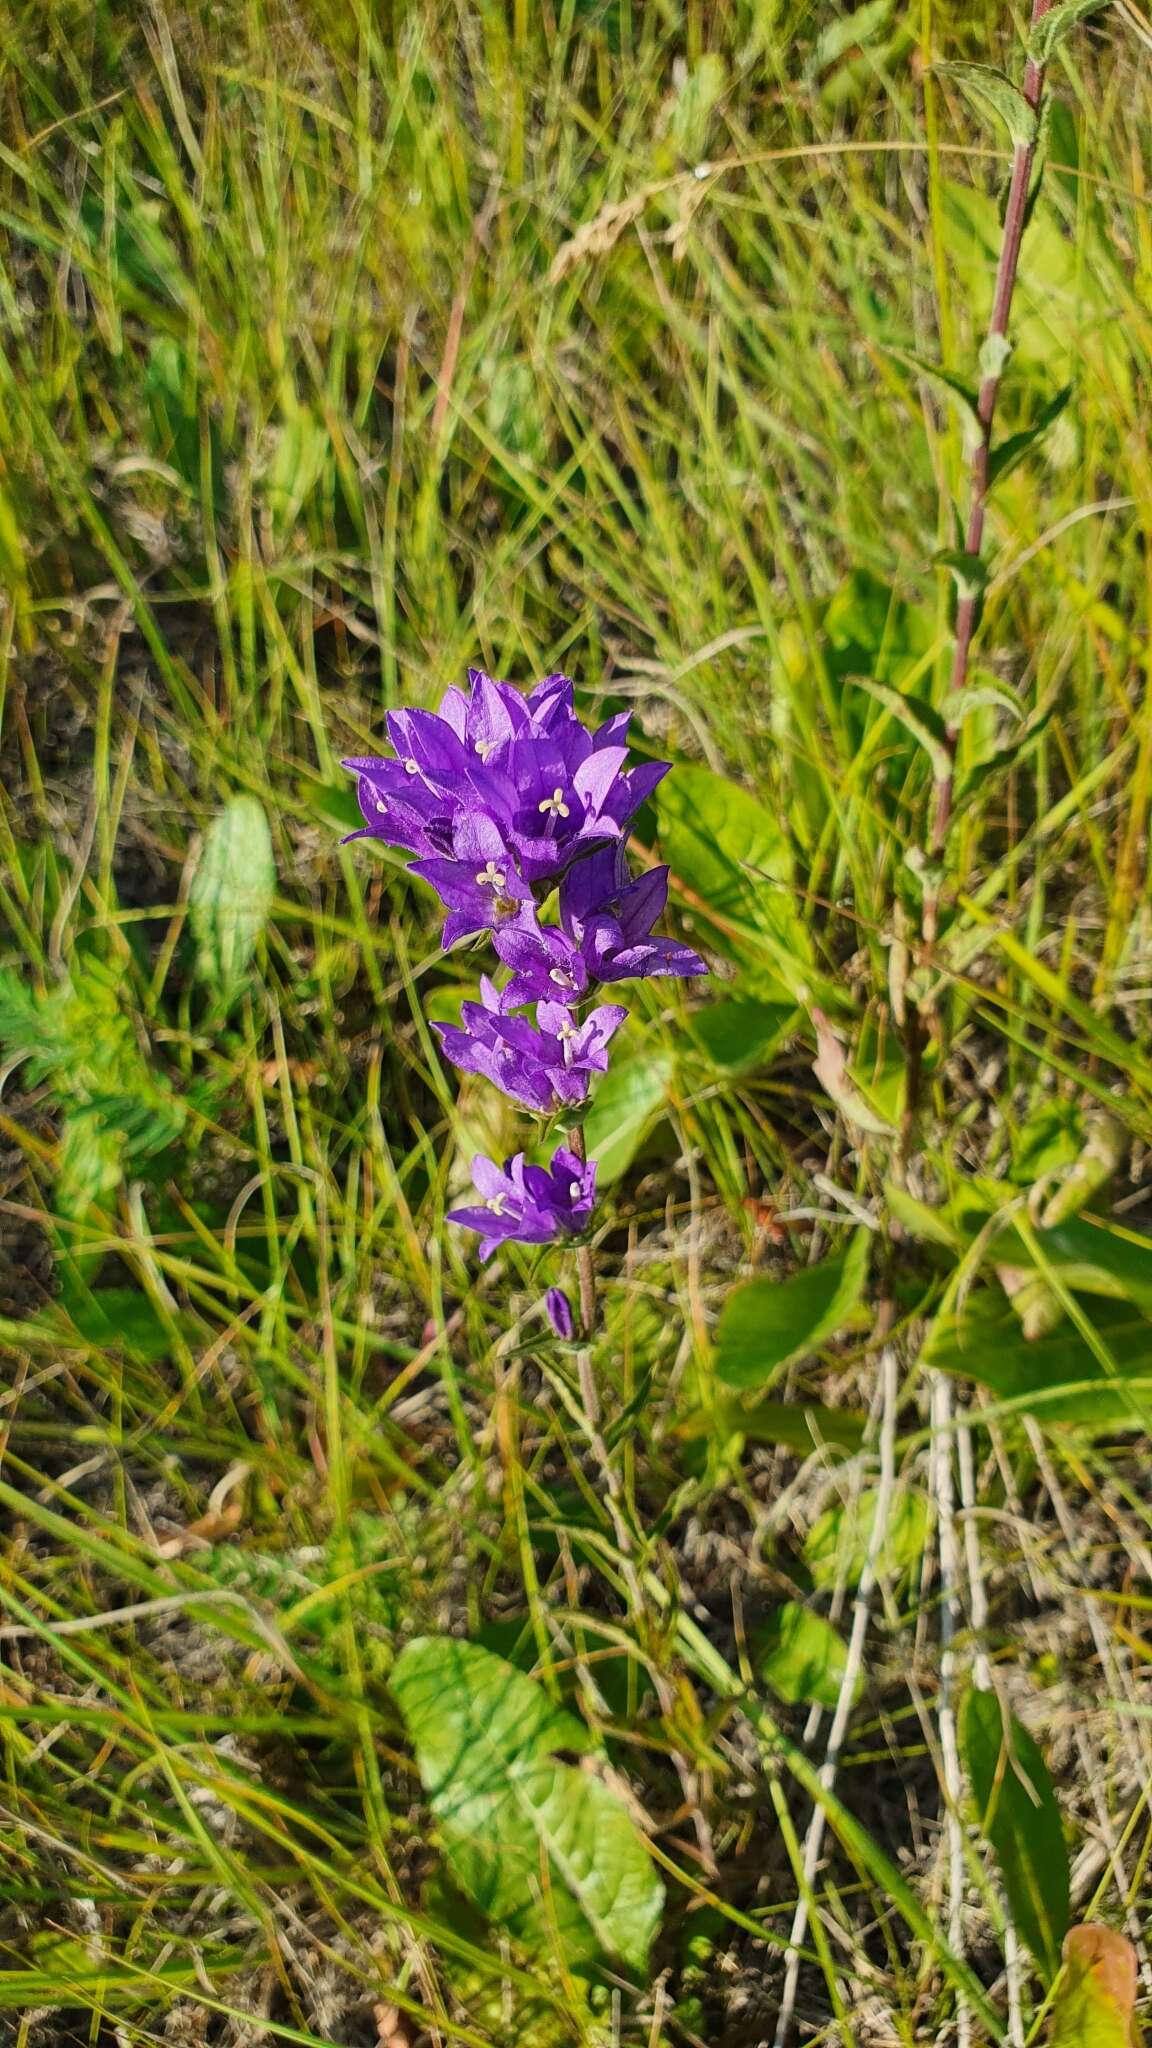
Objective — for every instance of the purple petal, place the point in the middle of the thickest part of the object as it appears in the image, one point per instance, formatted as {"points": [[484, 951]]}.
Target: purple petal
{"points": [[591, 883], [613, 732], [453, 710], [633, 789], [550, 701], [595, 777], [638, 906], [559, 1310], [489, 1179]]}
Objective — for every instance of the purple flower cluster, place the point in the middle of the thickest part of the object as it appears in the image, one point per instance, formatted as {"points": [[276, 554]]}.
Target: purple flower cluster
{"points": [[501, 796], [531, 1204]]}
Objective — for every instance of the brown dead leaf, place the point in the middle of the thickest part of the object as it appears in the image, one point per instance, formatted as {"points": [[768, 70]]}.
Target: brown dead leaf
{"points": [[221, 1520], [599, 235], [1095, 1999], [831, 1070], [390, 2028]]}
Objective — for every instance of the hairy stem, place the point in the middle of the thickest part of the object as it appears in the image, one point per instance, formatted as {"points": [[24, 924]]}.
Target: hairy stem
{"points": [[967, 610]]}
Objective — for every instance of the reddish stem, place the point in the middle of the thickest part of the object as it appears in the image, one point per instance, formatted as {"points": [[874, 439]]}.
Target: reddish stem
{"points": [[1015, 214]]}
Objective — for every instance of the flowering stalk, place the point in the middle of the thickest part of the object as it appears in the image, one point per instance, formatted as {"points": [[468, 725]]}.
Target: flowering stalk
{"points": [[585, 1270], [993, 357], [506, 799]]}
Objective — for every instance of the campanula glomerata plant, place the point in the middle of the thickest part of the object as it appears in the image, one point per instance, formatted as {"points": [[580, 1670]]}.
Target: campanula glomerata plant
{"points": [[507, 799]]}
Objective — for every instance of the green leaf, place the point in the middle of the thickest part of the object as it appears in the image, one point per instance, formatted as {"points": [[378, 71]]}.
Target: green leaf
{"points": [[1046, 1141], [89, 1165], [951, 387], [631, 1094], [1005, 456], [118, 1110], [960, 704], [924, 724], [231, 893], [969, 572], [921, 1220], [801, 1425], [1019, 1817], [739, 1034], [769, 1323], [856, 1104], [801, 1657], [992, 92], [299, 453], [837, 1544], [1101, 1156], [1090, 1258], [541, 1848], [1049, 33], [334, 803], [1095, 1997], [995, 354], [689, 112], [1056, 1377], [735, 857], [851, 32], [118, 1319]]}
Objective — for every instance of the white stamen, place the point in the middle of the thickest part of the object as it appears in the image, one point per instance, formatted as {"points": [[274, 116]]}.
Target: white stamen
{"points": [[411, 767], [566, 1033], [575, 1190], [491, 877], [561, 979], [382, 807], [556, 804], [497, 1204], [486, 747]]}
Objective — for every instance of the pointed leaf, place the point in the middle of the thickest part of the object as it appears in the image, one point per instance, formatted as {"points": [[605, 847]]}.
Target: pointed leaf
{"points": [[992, 92], [631, 1094], [1014, 448], [1018, 1815], [1056, 1377], [969, 572], [542, 1848], [837, 1545], [801, 1657], [735, 857], [768, 1323], [1049, 33], [924, 724], [232, 891]]}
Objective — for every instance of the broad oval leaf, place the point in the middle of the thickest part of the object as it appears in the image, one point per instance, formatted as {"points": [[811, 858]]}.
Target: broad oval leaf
{"points": [[837, 1545], [802, 1658], [540, 1847], [232, 891], [1055, 1376], [735, 857], [1018, 1815], [738, 1034], [768, 1323], [631, 1094]]}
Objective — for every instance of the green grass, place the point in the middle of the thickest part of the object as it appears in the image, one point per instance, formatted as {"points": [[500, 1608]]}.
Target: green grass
{"points": [[343, 347]]}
